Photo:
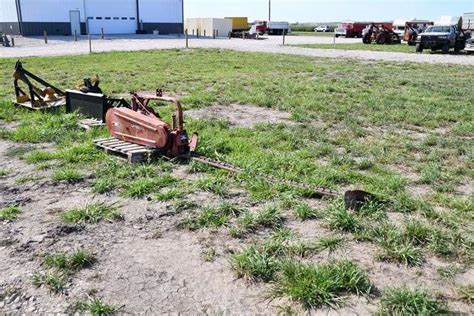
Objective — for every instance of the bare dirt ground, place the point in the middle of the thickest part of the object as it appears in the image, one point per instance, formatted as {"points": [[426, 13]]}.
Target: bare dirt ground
{"points": [[145, 264], [65, 45], [241, 115]]}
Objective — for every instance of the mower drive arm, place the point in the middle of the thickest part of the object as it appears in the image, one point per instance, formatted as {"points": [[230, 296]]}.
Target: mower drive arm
{"points": [[140, 103]]}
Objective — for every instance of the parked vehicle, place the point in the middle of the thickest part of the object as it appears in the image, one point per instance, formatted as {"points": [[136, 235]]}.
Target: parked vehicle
{"points": [[445, 34], [399, 27], [350, 29], [381, 34], [468, 21], [413, 29], [278, 28], [239, 24], [469, 46], [322, 28]]}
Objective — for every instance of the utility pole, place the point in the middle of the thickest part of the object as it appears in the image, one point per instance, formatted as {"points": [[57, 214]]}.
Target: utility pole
{"points": [[269, 10]]}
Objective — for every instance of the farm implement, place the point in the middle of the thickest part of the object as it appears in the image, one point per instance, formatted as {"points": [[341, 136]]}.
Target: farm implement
{"points": [[141, 125]]}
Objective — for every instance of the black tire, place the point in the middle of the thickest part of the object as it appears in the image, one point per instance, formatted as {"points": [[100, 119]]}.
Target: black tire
{"points": [[367, 39], [381, 39], [337, 36], [445, 48], [418, 48]]}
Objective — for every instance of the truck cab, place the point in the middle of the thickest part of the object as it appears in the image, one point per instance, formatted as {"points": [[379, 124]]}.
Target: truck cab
{"points": [[442, 36]]}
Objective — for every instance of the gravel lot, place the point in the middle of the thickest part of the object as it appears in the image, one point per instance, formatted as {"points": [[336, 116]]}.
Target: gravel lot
{"points": [[62, 45]]}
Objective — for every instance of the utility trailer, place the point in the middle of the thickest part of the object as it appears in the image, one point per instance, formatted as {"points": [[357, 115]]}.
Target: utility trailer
{"points": [[278, 28]]}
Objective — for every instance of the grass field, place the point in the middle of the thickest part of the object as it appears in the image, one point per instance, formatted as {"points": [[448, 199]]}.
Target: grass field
{"points": [[402, 48], [322, 34], [401, 131]]}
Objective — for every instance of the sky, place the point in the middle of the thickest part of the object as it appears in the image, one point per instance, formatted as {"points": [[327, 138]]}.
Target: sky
{"points": [[328, 10]]}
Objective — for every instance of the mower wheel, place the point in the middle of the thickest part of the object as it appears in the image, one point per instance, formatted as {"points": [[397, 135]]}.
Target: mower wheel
{"points": [[445, 48], [366, 39], [381, 39], [419, 48]]}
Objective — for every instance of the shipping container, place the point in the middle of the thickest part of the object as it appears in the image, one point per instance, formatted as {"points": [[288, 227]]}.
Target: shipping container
{"points": [[206, 26], [239, 23]]}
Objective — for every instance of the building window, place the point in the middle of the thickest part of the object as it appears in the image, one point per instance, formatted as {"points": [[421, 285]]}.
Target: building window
{"points": [[107, 18], [98, 18], [90, 18], [123, 18], [132, 18], [116, 18]]}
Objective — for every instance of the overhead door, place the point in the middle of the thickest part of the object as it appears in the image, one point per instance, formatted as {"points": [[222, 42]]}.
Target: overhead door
{"points": [[113, 16]]}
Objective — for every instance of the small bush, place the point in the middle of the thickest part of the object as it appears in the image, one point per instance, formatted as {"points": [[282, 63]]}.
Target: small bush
{"points": [[71, 263]]}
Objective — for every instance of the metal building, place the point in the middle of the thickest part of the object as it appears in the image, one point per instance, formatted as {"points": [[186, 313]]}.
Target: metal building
{"points": [[63, 17]]}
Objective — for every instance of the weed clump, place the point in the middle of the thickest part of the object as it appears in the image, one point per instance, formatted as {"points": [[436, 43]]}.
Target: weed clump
{"points": [[9, 213], [403, 301], [321, 285], [94, 307], [92, 214]]}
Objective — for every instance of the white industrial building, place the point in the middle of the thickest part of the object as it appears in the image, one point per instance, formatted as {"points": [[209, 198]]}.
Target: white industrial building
{"points": [[64, 17]]}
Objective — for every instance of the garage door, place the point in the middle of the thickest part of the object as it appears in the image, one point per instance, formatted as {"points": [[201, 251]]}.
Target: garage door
{"points": [[114, 16]]}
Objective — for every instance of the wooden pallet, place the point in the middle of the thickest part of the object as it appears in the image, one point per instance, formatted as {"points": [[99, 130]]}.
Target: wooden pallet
{"points": [[132, 152], [50, 105], [90, 123]]}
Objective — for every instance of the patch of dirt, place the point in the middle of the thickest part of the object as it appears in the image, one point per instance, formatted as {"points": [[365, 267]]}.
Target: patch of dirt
{"points": [[241, 115]]}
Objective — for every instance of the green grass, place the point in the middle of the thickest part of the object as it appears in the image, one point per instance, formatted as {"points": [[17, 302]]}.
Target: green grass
{"points": [[386, 128], [466, 293], [254, 264], [403, 301], [305, 212], [94, 307], [54, 281], [268, 217], [211, 217], [402, 48], [321, 285], [9, 213], [67, 174], [314, 34], [70, 263], [92, 213]]}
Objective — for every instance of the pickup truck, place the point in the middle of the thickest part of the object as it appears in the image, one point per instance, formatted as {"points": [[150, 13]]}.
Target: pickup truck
{"points": [[469, 46], [322, 28], [442, 36]]}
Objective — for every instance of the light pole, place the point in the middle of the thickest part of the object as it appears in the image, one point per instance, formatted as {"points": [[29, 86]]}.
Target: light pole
{"points": [[269, 10]]}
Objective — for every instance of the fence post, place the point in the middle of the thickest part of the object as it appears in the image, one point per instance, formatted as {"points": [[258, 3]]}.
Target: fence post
{"points": [[217, 33], [13, 41], [187, 38], [204, 32], [45, 37], [284, 33], [197, 33], [90, 44], [230, 35], [102, 33], [334, 38], [75, 35], [214, 34], [243, 34]]}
